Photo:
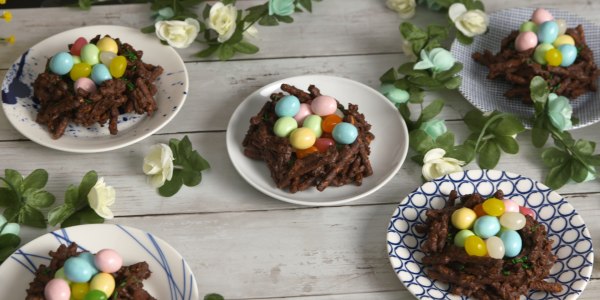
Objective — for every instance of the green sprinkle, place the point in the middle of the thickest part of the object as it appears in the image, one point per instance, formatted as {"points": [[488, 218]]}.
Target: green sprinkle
{"points": [[130, 86], [505, 273], [131, 56], [88, 101]]}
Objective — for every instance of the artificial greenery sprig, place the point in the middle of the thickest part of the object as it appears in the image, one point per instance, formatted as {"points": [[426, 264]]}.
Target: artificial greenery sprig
{"points": [[23, 198], [76, 208], [188, 167], [9, 243]]}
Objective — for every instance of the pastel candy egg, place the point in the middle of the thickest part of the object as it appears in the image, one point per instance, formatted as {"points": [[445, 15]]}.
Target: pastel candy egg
{"points": [[547, 32], [60, 273], [10, 228], [61, 63], [117, 66], [78, 269], [493, 207], [323, 144], [475, 246], [80, 70], [461, 236], [90, 259], [288, 106], [562, 26], [313, 122], [553, 57], [57, 289], [89, 54], [284, 126], [323, 105], [495, 247], [107, 44], [527, 211], [303, 113], [486, 226], [539, 55], [564, 39], [106, 57], [463, 218], [528, 26], [103, 282], [344, 133], [330, 121], [108, 261], [95, 295], [541, 15], [306, 152], [302, 138], [525, 41], [76, 59], [510, 206], [569, 54], [79, 290], [100, 73], [512, 220], [512, 243], [77, 45], [85, 84]]}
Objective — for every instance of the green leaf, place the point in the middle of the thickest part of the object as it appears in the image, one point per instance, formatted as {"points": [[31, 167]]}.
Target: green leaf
{"points": [[539, 90], [207, 51], [426, 82], [432, 110], [197, 162], [416, 95], [38, 198], [508, 144], [206, 11], [284, 19], [227, 2], [389, 76], [508, 126], [9, 239], [465, 152], [307, 4], [405, 113], [191, 178], [268, 21], [445, 141], [245, 47], [584, 147], [72, 196], [463, 39], [59, 214], [36, 180], [32, 217], [579, 171], [85, 4], [225, 52], [185, 148], [214, 296], [489, 155], [453, 83], [7, 197], [14, 178], [418, 158], [553, 157], [593, 160], [420, 141], [171, 187], [411, 32], [148, 29], [539, 134], [444, 75], [558, 175], [11, 213], [437, 32], [474, 120], [84, 216], [87, 183]]}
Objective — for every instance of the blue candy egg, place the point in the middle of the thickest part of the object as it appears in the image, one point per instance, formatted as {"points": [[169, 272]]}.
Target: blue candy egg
{"points": [[61, 63], [512, 243], [569, 54], [78, 269], [100, 73], [288, 106], [486, 226], [344, 133], [89, 257], [547, 32]]}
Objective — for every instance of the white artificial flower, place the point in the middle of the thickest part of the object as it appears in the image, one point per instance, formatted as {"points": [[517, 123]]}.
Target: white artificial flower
{"points": [[469, 22], [222, 20], [100, 197], [251, 32], [158, 164], [404, 8], [436, 165], [178, 34]]}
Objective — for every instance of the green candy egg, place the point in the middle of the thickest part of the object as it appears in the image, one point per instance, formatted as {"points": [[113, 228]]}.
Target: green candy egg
{"points": [[284, 126], [540, 53], [76, 59], [528, 26], [313, 122], [461, 236], [89, 54], [60, 273], [95, 295]]}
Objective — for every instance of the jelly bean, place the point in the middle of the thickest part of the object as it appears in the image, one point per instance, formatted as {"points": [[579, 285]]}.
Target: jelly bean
{"points": [[461, 236], [495, 247], [478, 209], [57, 289], [475, 246], [547, 32], [118, 66], [525, 41], [108, 261], [107, 44], [323, 105], [510, 205], [95, 295], [329, 122], [60, 273], [539, 55], [76, 47], [513, 220], [302, 138], [79, 290], [541, 15], [103, 282], [463, 218], [564, 39], [85, 84], [553, 57], [106, 58], [61, 63], [486, 226], [306, 152], [323, 144], [493, 207], [569, 54], [562, 26], [78, 269], [527, 211], [284, 126], [288, 106], [89, 54], [76, 59], [80, 70], [512, 243], [303, 113], [344, 133], [313, 122], [100, 74], [528, 26]]}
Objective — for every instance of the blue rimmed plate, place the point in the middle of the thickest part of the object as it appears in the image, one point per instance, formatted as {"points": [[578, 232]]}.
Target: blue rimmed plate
{"points": [[572, 242], [171, 277]]}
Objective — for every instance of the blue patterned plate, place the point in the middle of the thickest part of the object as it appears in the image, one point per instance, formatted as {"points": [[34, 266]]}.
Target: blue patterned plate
{"points": [[171, 278], [572, 242]]}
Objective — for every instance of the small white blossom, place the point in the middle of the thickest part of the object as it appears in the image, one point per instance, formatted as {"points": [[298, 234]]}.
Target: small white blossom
{"points": [[404, 8], [469, 22], [100, 197], [436, 165], [178, 34], [222, 20], [158, 164]]}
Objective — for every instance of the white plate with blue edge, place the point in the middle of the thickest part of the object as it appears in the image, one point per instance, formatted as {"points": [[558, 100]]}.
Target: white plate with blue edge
{"points": [[572, 242], [388, 149], [488, 95], [21, 109], [171, 278]]}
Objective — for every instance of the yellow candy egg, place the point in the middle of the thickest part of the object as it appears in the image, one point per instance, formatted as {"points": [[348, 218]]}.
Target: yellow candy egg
{"points": [[493, 207], [107, 44], [103, 282], [302, 138], [564, 39], [79, 290], [553, 57], [117, 66], [475, 246], [80, 70], [463, 218]]}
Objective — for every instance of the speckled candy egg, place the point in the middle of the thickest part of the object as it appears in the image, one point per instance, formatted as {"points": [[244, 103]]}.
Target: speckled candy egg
{"points": [[288, 106], [541, 15], [547, 32], [85, 84], [284, 126], [303, 113], [100, 74], [89, 54], [61, 63], [569, 54], [78, 269], [57, 289], [525, 41], [344, 133], [107, 44], [108, 260], [486, 226], [302, 138], [323, 105], [512, 243]]}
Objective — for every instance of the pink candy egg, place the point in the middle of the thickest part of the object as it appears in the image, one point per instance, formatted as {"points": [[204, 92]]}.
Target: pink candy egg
{"points": [[525, 41], [323, 106], [302, 113], [85, 84], [108, 261], [510, 206], [57, 289], [541, 15], [526, 211]]}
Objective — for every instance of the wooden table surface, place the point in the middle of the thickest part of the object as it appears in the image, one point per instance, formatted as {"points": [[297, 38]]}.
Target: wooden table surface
{"points": [[238, 241]]}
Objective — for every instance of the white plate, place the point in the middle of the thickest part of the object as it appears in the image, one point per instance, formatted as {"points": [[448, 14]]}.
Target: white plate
{"points": [[21, 110], [488, 95], [572, 242], [171, 277], [388, 149]]}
